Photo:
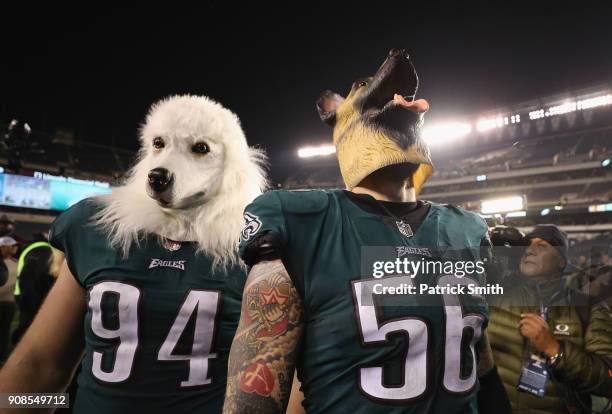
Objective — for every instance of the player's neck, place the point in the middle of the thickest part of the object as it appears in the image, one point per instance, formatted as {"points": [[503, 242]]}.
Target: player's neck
{"points": [[397, 191]]}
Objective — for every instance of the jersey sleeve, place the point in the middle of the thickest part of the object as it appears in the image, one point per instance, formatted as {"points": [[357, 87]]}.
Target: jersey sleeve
{"points": [[68, 234], [481, 229], [263, 216]]}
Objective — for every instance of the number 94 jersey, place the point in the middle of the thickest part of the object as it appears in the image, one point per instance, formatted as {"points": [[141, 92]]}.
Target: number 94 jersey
{"points": [[158, 325], [415, 354]]}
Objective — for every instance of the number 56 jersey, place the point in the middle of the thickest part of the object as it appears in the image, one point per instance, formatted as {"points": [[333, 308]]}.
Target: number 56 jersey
{"points": [[158, 325], [360, 354]]}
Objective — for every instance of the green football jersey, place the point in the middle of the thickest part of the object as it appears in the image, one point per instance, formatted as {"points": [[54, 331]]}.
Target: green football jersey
{"points": [[159, 322], [365, 354]]}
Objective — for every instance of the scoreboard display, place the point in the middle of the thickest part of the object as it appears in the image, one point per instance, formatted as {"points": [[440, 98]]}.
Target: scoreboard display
{"points": [[46, 192]]}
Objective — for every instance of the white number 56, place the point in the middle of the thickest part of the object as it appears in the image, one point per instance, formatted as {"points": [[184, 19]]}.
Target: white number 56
{"points": [[415, 369]]}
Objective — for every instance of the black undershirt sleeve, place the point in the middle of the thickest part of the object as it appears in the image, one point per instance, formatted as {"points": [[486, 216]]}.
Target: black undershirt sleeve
{"points": [[264, 248]]}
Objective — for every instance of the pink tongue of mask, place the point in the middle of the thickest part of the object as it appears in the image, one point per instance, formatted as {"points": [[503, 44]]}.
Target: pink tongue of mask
{"points": [[419, 106]]}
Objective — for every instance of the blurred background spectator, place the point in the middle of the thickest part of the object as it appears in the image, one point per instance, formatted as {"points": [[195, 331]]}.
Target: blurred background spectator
{"points": [[7, 226], [40, 269], [8, 249]]}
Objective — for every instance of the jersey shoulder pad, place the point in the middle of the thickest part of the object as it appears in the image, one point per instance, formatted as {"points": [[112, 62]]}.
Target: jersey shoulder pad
{"points": [[463, 214], [303, 201], [71, 223], [269, 211], [72, 232], [274, 211], [462, 220]]}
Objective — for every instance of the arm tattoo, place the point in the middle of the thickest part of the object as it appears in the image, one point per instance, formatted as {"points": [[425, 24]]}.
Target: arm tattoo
{"points": [[485, 360], [264, 351]]}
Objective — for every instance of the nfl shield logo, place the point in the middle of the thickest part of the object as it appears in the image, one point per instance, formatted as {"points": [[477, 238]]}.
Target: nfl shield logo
{"points": [[171, 245], [404, 228]]}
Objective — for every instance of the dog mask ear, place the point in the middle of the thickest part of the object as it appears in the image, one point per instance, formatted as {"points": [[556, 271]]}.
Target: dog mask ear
{"points": [[327, 104]]}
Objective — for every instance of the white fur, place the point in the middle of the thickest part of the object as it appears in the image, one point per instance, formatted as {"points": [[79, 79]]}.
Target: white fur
{"points": [[231, 174]]}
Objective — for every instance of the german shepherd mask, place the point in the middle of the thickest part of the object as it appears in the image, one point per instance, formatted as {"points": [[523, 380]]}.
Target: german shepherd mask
{"points": [[378, 124]]}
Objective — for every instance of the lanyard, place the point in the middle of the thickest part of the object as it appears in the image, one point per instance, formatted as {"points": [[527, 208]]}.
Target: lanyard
{"points": [[544, 307]]}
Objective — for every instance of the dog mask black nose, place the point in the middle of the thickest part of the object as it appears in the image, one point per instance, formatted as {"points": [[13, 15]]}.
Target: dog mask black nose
{"points": [[159, 179]]}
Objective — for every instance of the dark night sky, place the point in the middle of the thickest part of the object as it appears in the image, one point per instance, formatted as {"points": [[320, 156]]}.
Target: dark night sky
{"points": [[97, 71]]}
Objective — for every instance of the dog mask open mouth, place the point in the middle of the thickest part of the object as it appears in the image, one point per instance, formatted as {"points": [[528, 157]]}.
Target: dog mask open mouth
{"points": [[388, 97], [379, 122]]}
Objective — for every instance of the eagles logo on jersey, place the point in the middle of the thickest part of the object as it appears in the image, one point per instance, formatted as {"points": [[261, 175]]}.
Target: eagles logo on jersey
{"points": [[251, 225]]}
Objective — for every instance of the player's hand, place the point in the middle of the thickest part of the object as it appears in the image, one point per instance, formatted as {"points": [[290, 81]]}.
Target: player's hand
{"points": [[536, 329]]}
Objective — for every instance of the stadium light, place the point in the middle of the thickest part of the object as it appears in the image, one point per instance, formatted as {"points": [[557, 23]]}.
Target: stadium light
{"points": [[485, 124], [600, 208], [571, 106], [521, 213], [319, 151], [446, 132], [594, 102], [502, 205]]}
